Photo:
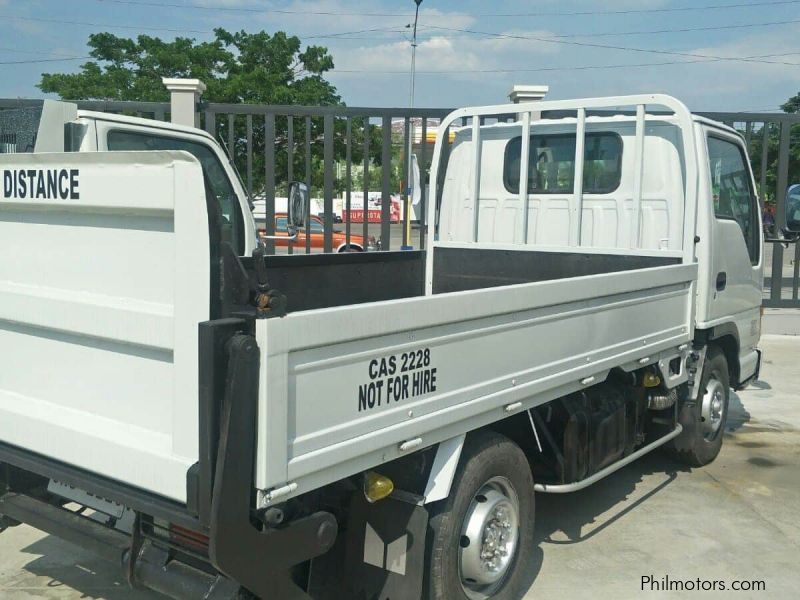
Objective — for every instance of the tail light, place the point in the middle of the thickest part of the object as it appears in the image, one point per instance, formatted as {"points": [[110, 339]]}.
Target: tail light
{"points": [[188, 538]]}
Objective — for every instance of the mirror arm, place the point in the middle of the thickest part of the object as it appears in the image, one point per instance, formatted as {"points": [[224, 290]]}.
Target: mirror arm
{"points": [[291, 237]]}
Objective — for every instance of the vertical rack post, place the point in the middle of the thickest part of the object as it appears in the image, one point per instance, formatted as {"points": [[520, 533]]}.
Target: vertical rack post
{"points": [[638, 173], [476, 174], [524, 158], [577, 181]]}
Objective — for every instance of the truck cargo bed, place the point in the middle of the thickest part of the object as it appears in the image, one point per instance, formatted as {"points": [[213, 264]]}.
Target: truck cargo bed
{"points": [[350, 387], [311, 281]]}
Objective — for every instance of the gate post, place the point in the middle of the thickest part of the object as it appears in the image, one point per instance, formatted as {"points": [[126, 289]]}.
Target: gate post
{"points": [[528, 93], [184, 96]]}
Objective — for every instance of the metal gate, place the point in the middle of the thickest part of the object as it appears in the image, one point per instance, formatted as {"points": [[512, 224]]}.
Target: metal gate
{"points": [[339, 152], [343, 152]]}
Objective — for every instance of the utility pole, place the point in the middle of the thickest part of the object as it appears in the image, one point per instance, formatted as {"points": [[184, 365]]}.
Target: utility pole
{"points": [[410, 174]]}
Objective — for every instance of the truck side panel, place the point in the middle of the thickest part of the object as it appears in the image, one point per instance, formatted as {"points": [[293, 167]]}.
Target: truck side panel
{"points": [[346, 385], [99, 290]]}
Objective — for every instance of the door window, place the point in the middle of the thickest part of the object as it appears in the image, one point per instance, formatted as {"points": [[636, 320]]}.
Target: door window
{"points": [[232, 221], [732, 192]]}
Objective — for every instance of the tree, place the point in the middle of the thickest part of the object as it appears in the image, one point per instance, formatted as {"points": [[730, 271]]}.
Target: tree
{"points": [[256, 68], [792, 105], [252, 68]]}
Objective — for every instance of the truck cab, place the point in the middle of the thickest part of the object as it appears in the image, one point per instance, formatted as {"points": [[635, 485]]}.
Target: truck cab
{"points": [[729, 239], [730, 252], [105, 132]]}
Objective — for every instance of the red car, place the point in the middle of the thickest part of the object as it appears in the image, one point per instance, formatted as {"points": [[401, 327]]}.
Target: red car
{"points": [[317, 235]]}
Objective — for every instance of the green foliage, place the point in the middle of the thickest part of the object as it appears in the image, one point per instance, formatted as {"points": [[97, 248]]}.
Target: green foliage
{"points": [[755, 150], [237, 68], [773, 147]]}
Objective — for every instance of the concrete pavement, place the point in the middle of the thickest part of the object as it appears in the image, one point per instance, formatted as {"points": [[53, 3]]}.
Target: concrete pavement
{"points": [[736, 519]]}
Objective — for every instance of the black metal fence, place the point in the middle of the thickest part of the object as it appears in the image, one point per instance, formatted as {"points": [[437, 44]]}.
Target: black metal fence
{"points": [[335, 150], [773, 141], [339, 151]]}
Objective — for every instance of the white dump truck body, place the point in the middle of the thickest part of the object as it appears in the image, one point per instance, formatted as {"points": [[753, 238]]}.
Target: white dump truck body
{"points": [[154, 356]]}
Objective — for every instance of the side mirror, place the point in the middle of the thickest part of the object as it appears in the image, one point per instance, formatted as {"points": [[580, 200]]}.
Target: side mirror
{"points": [[791, 222], [297, 206]]}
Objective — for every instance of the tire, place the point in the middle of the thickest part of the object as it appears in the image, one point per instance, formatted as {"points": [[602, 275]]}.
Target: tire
{"points": [[350, 248], [491, 465], [701, 439]]}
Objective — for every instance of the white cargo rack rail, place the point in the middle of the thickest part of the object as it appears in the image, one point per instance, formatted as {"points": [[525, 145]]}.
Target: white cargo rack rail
{"points": [[486, 353], [680, 115]]}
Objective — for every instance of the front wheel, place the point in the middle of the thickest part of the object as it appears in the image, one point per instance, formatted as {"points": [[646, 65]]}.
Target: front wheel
{"points": [[703, 418], [481, 537]]}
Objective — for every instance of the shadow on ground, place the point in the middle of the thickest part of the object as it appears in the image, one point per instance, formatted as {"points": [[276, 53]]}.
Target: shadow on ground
{"points": [[65, 565], [561, 519]]}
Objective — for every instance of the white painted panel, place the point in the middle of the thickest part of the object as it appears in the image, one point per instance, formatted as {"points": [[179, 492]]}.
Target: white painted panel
{"points": [[606, 217], [98, 315], [489, 347]]}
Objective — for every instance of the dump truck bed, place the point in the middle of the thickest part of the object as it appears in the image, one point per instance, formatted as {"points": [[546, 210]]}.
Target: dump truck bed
{"points": [[350, 387]]}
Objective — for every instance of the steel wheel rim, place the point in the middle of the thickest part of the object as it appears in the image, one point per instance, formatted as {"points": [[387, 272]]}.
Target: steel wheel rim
{"points": [[489, 538], [713, 408]]}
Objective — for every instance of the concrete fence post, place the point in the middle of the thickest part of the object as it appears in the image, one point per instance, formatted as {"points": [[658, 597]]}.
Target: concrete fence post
{"points": [[528, 93], [184, 96]]}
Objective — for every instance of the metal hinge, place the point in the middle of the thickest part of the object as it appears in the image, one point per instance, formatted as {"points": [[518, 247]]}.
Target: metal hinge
{"points": [[267, 497]]}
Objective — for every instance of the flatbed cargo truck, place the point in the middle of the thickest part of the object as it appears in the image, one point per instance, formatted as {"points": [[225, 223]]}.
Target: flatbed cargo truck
{"points": [[224, 423]]}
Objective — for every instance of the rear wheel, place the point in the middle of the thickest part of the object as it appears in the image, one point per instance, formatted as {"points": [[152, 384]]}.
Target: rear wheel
{"points": [[703, 418], [481, 536], [351, 248]]}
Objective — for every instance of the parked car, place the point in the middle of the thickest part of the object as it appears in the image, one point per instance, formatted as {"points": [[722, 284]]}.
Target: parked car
{"points": [[317, 233], [336, 218]]}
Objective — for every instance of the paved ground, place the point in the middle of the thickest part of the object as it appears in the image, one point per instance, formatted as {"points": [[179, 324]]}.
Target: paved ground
{"points": [[738, 519]]}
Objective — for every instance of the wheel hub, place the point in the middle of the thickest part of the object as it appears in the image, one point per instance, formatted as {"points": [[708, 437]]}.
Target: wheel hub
{"points": [[713, 408], [489, 538]]}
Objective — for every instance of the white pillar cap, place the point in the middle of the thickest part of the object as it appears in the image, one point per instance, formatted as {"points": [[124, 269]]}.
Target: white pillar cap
{"points": [[184, 85], [527, 93]]}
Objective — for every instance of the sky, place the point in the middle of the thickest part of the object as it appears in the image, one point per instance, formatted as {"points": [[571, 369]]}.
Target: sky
{"points": [[735, 55]]}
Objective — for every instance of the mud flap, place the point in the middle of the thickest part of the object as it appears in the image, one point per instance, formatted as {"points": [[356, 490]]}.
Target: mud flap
{"points": [[260, 561], [381, 556]]}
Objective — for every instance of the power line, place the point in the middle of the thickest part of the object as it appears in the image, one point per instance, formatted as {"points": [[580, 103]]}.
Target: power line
{"points": [[242, 9], [100, 25], [681, 30], [42, 60], [630, 11], [40, 53], [607, 46], [245, 9], [555, 68], [392, 29]]}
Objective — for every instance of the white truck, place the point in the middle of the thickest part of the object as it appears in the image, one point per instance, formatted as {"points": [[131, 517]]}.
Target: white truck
{"points": [[222, 423]]}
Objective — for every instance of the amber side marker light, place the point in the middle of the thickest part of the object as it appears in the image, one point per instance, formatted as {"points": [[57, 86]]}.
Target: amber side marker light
{"points": [[376, 486]]}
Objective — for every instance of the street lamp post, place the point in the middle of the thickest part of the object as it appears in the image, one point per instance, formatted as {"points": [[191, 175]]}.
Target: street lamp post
{"points": [[410, 173]]}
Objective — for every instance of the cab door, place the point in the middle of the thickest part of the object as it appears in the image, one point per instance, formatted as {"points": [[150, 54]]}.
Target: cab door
{"points": [[735, 276], [237, 226]]}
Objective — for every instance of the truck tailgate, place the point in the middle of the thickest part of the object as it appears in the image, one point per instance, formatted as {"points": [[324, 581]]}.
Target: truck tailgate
{"points": [[100, 273], [348, 388]]}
